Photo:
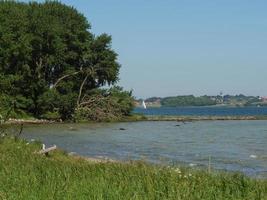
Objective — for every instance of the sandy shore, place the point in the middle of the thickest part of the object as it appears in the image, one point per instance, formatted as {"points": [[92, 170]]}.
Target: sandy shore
{"points": [[29, 121]]}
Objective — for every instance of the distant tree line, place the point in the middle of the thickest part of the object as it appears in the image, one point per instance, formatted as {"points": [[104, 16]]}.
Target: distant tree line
{"points": [[188, 100], [191, 100], [51, 64]]}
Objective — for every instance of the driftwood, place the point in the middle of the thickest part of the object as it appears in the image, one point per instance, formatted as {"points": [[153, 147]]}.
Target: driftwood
{"points": [[47, 150]]}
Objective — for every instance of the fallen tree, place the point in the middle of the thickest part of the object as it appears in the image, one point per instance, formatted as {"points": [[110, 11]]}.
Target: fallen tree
{"points": [[104, 105]]}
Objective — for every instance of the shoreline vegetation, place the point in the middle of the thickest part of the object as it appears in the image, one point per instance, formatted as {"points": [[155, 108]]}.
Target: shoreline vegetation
{"points": [[27, 175]]}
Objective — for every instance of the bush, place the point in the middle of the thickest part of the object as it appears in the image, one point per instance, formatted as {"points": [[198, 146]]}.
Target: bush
{"points": [[53, 105], [14, 107], [51, 116]]}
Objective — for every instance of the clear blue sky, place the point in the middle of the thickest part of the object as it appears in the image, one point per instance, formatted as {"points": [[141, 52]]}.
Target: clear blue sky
{"points": [[177, 47]]}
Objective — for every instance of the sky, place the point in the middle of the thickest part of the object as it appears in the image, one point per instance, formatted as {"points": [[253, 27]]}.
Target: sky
{"points": [[182, 47]]}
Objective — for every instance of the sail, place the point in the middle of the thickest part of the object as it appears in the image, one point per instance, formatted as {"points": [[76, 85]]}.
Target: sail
{"points": [[144, 104]]}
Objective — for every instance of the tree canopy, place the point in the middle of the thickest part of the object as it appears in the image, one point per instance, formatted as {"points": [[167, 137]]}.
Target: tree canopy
{"points": [[188, 100], [49, 59]]}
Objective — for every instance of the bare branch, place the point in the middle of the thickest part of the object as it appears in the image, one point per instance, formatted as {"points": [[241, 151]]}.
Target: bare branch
{"points": [[81, 88], [63, 77]]}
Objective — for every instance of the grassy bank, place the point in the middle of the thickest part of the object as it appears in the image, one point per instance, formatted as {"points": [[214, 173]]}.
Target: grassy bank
{"points": [[27, 175]]}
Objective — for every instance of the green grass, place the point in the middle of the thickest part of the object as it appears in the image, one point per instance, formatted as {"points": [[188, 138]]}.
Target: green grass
{"points": [[27, 175]]}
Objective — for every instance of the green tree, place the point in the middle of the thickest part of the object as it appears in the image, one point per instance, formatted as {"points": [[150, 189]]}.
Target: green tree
{"points": [[49, 57]]}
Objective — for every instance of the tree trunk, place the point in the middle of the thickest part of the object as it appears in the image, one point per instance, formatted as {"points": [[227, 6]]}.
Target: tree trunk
{"points": [[81, 89]]}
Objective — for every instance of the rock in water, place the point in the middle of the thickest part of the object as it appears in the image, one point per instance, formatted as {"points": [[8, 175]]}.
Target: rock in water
{"points": [[253, 156]]}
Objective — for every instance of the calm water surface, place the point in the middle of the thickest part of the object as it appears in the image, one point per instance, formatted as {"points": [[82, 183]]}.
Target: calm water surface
{"points": [[232, 145], [204, 111]]}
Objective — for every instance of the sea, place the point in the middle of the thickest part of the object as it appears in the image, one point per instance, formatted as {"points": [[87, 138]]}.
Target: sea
{"points": [[238, 145], [204, 111]]}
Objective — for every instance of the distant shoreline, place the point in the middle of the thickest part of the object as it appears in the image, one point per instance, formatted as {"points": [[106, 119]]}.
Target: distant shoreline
{"points": [[204, 100]]}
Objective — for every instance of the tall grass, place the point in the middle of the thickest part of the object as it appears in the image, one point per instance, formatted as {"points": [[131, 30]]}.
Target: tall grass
{"points": [[27, 175]]}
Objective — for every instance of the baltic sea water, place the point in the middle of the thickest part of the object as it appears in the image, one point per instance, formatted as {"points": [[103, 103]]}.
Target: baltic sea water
{"points": [[231, 145]]}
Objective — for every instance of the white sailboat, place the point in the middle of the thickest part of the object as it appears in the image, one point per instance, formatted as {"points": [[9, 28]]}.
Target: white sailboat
{"points": [[144, 104]]}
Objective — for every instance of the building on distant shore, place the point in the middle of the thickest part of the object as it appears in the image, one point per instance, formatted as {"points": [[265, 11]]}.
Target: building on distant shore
{"points": [[263, 99]]}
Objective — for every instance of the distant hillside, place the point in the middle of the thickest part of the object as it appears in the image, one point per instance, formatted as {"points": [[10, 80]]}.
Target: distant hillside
{"points": [[187, 101], [191, 100]]}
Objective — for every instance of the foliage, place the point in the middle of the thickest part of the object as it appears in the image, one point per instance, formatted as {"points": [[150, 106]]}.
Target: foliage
{"points": [[13, 107], [241, 100], [27, 175], [189, 100], [61, 106], [49, 59], [51, 116]]}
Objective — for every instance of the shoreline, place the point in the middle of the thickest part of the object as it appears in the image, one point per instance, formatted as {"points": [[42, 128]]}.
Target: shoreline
{"points": [[59, 175], [28, 121], [143, 118], [194, 167]]}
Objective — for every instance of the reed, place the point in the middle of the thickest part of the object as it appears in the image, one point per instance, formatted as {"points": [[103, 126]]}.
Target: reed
{"points": [[27, 175]]}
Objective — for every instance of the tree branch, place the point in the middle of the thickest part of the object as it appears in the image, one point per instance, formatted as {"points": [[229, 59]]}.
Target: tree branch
{"points": [[80, 91], [63, 77]]}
